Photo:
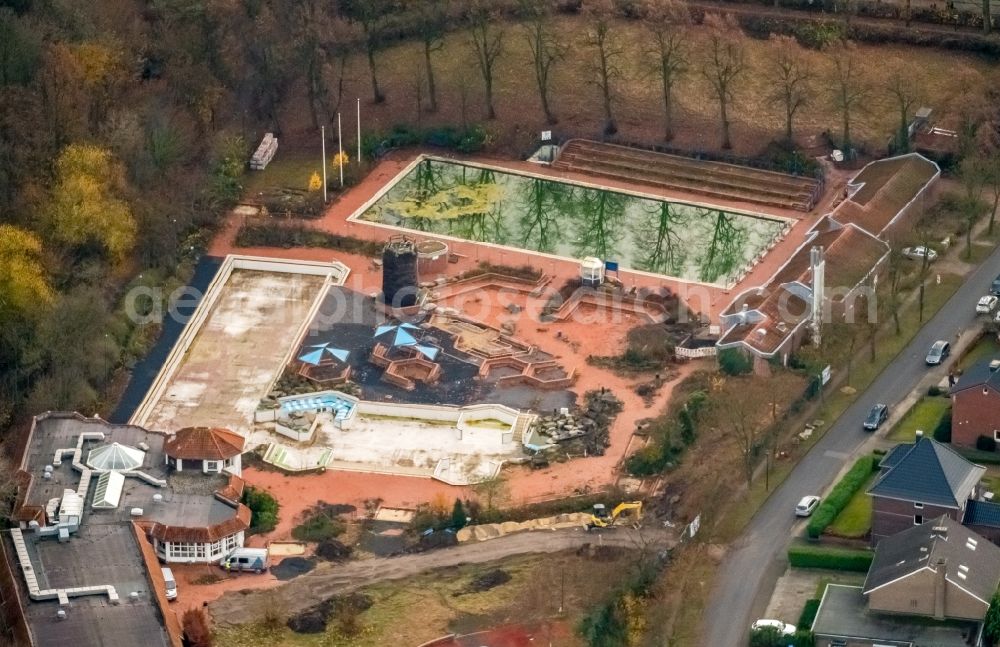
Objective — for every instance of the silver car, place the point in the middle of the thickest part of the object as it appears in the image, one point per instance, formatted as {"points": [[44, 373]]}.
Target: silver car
{"points": [[938, 352]]}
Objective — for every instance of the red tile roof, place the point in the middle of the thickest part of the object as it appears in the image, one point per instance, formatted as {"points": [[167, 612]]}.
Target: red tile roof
{"points": [[883, 190], [240, 521], [204, 443]]}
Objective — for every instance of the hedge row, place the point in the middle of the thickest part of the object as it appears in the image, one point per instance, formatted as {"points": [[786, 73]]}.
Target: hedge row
{"points": [[841, 495], [288, 236], [837, 559]]}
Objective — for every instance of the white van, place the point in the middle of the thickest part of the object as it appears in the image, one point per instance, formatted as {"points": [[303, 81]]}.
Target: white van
{"points": [[246, 559], [170, 582]]}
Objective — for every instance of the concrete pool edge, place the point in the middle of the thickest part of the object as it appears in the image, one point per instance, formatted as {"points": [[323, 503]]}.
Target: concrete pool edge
{"points": [[788, 222]]}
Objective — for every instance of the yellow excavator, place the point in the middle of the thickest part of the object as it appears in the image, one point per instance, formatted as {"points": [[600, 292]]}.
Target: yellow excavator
{"points": [[600, 518]]}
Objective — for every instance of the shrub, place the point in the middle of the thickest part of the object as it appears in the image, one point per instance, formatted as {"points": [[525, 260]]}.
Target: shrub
{"points": [[196, 632], [942, 432], [808, 614], [319, 526], [934, 390], [263, 509], [733, 361], [287, 236], [838, 559], [986, 444], [766, 637], [841, 495], [458, 515]]}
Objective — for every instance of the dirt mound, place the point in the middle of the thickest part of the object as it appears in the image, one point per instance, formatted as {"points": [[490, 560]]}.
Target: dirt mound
{"points": [[433, 541], [485, 582], [314, 619], [333, 551], [292, 567]]}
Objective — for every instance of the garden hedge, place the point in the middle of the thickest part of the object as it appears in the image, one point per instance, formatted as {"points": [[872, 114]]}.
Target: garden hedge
{"points": [[837, 559], [841, 495]]}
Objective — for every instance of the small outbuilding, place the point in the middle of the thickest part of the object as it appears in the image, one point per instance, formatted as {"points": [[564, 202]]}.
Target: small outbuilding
{"points": [[210, 449]]}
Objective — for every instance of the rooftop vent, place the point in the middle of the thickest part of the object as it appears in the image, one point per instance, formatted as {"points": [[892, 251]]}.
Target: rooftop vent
{"points": [[135, 512], [48, 468], [157, 498], [46, 475], [61, 614], [134, 596], [143, 446], [920, 433]]}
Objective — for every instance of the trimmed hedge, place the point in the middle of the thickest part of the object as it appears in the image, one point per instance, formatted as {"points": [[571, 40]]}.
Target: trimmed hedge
{"points": [[287, 236], [837, 559], [840, 496], [808, 614], [986, 444]]}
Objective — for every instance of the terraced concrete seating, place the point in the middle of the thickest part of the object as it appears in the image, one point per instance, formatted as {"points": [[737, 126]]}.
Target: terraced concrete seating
{"points": [[714, 179]]}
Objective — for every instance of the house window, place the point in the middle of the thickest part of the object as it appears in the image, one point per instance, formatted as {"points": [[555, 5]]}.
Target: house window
{"points": [[211, 466], [918, 506], [913, 604], [996, 435], [918, 519], [227, 463]]}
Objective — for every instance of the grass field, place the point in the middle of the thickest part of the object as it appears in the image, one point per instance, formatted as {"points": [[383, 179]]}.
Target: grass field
{"points": [[985, 349], [925, 415], [855, 520], [412, 611]]}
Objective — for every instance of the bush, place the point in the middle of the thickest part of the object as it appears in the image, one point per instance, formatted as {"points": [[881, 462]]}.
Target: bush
{"points": [[287, 236], [934, 390], [766, 637], [942, 432], [838, 559], [318, 527], [841, 495], [733, 361], [196, 632], [808, 614], [985, 444], [263, 509]]}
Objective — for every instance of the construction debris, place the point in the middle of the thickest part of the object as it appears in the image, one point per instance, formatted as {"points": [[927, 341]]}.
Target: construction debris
{"points": [[483, 532]]}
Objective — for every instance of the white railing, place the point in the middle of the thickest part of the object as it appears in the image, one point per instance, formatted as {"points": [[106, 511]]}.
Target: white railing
{"points": [[692, 353]]}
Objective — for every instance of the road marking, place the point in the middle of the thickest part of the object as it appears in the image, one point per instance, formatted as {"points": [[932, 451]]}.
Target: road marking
{"points": [[838, 455]]}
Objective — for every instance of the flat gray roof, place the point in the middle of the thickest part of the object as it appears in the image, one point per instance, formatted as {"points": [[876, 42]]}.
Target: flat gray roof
{"points": [[843, 613]]}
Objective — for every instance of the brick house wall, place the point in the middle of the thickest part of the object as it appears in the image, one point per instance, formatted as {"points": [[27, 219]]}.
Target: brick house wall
{"points": [[890, 516], [974, 414]]}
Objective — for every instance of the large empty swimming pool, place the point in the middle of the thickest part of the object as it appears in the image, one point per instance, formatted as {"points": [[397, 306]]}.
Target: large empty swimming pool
{"points": [[483, 204]]}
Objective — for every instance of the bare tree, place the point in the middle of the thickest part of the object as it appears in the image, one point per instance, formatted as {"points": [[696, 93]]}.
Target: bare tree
{"points": [[725, 65], [906, 94], [546, 49], [992, 172], [430, 20], [665, 20], [492, 491], [791, 77], [849, 91], [607, 51], [487, 42], [973, 175], [370, 15], [987, 17], [894, 278], [736, 411]]}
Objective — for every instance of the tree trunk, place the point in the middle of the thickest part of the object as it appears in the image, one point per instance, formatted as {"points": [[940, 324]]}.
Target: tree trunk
{"points": [[847, 131], [377, 95], [987, 18], [907, 13], [788, 121], [610, 127], [968, 237], [668, 126], [920, 300], [726, 143], [491, 113], [431, 89], [544, 94], [996, 205]]}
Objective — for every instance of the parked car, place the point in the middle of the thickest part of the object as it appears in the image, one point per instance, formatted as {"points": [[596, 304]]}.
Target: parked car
{"points": [[783, 627], [807, 506], [170, 583], [878, 415], [995, 288], [918, 253], [938, 352], [987, 304]]}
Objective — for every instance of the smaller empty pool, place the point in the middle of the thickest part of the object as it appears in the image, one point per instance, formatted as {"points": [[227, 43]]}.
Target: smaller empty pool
{"points": [[331, 402]]}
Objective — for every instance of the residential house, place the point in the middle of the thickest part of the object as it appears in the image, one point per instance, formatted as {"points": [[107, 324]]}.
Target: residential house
{"points": [[919, 481], [975, 404], [928, 586], [842, 254]]}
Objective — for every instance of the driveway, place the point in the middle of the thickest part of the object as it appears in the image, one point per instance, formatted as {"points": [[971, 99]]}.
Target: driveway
{"points": [[757, 558]]}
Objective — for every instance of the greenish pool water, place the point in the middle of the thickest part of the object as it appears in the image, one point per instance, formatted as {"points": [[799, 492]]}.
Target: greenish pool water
{"points": [[488, 205]]}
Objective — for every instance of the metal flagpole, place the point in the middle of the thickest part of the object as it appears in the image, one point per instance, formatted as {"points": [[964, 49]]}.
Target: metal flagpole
{"points": [[340, 149], [359, 131], [322, 130]]}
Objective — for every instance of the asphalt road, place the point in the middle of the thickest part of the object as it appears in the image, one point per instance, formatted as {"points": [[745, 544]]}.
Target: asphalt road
{"points": [[328, 579], [754, 563]]}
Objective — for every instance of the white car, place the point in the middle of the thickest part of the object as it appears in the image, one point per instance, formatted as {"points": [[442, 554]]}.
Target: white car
{"points": [[918, 253], [783, 627], [987, 304], [807, 506]]}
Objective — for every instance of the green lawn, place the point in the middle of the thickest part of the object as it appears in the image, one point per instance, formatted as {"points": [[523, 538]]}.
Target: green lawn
{"points": [[992, 481], [986, 348], [925, 415], [855, 520]]}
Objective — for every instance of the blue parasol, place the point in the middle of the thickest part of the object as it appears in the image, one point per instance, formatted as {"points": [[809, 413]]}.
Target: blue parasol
{"points": [[320, 351]]}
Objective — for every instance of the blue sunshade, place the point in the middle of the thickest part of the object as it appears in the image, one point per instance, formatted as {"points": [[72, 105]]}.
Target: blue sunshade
{"points": [[316, 356], [396, 335]]}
